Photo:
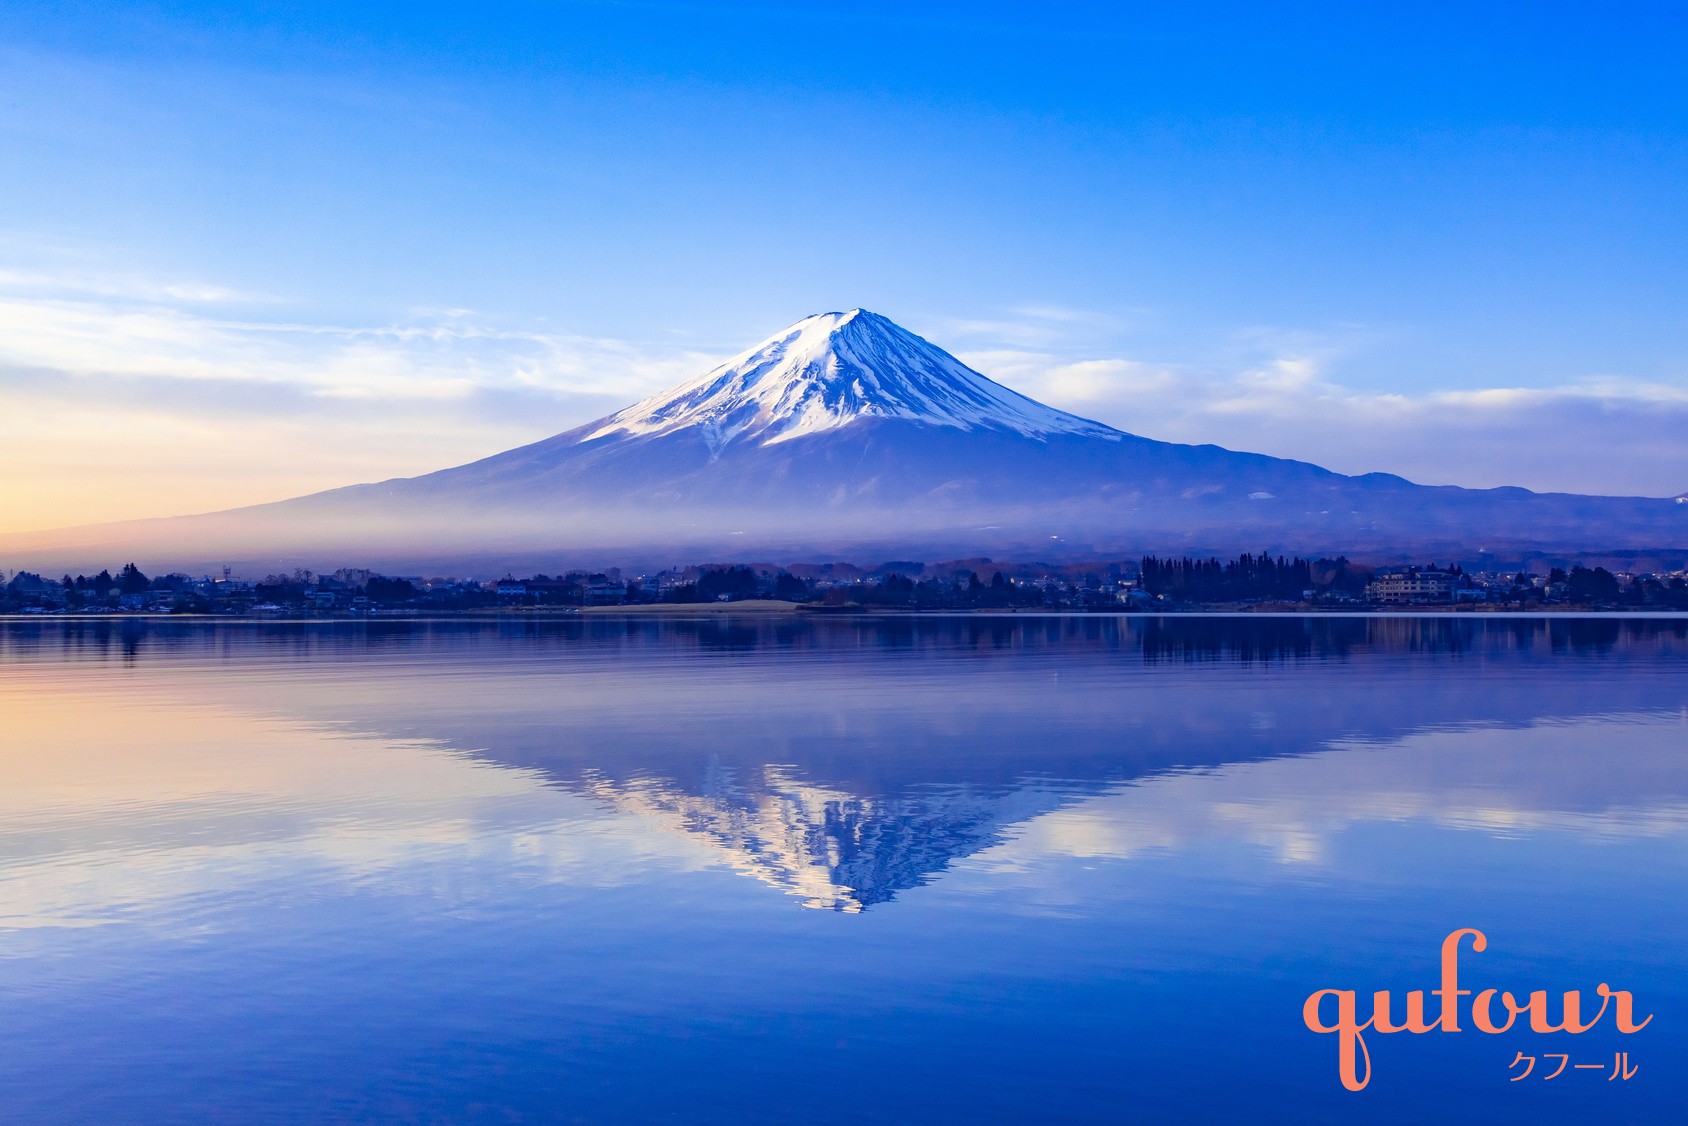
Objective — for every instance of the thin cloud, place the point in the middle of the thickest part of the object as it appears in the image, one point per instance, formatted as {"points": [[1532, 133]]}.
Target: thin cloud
{"points": [[1606, 434], [435, 355], [121, 399]]}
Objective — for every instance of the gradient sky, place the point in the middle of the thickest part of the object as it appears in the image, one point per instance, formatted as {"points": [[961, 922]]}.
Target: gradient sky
{"points": [[250, 253]]}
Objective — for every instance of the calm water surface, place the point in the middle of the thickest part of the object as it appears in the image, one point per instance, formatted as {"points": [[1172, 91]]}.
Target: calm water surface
{"points": [[940, 870]]}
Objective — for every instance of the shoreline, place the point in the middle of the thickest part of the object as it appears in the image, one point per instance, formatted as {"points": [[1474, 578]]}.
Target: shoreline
{"points": [[762, 610]]}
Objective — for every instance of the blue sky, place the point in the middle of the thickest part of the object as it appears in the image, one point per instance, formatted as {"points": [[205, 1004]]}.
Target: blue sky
{"points": [[246, 253]]}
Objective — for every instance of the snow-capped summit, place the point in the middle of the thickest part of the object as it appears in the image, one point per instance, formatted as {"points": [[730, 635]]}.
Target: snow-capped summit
{"points": [[829, 370]]}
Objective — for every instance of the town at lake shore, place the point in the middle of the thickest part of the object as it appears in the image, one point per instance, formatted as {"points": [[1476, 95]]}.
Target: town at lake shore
{"points": [[1147, 585]]}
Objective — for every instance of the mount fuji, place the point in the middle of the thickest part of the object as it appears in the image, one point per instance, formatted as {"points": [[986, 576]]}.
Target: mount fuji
{"points": [[846, 431], [829, 371]]}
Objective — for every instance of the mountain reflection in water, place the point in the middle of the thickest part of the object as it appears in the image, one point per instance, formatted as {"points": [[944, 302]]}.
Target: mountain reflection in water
{"points": [[845, 761], [1067, 869]]}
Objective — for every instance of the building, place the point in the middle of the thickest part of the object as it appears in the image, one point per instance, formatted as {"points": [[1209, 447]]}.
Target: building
{"points": [[1414, 584], [605, 593]]}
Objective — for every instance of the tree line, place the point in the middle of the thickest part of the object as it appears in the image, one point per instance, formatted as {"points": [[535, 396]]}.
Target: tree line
{"points": [[1248, 577]]}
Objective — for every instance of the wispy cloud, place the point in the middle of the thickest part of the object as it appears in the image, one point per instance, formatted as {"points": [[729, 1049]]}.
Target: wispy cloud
{"points": [[165, 332], [123, 397], [1278, 392]]}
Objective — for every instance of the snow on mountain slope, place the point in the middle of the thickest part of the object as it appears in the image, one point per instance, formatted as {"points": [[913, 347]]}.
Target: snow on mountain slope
{"points": [[829, 370]]}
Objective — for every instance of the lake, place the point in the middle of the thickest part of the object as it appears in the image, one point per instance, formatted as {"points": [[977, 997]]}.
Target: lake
{"points": [[956, 869]]}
